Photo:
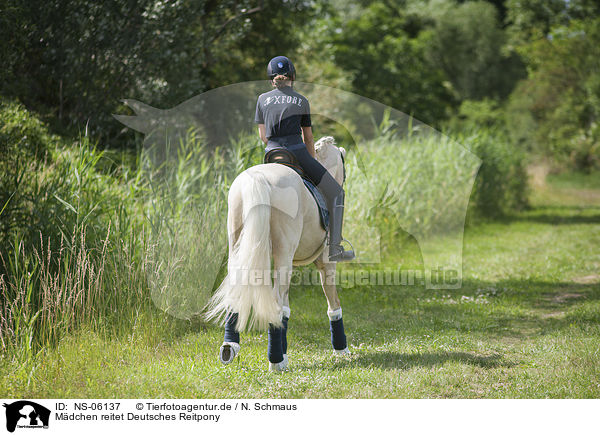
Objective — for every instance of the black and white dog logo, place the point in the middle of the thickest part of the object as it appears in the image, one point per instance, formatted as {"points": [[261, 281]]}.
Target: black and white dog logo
{"points": [[26, 414]]}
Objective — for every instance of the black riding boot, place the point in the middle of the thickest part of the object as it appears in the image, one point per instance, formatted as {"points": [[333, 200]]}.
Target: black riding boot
{"points": [[336, 217], [334, 195]]}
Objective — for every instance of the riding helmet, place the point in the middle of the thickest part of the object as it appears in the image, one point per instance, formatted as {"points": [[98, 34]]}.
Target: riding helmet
{"points": [[281, 65]]}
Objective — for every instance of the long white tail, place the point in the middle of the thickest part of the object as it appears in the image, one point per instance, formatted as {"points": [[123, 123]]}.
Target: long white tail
{"points": [[247, 288]]}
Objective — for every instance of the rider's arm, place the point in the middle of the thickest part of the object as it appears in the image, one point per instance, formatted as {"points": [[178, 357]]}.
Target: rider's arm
{"points": [[262, 133], [307, 137]]}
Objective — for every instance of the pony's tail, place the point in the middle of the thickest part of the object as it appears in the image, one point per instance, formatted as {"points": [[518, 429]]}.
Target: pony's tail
{"points": [[247, 289]]}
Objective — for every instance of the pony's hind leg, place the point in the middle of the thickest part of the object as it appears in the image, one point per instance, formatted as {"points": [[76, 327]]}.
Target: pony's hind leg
{"points": [[334, 308], [277, 350], [231, 340], [285, 320]]}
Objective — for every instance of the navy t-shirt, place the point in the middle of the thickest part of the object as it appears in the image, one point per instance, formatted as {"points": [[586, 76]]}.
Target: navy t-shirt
{"points": [[283, 111]]}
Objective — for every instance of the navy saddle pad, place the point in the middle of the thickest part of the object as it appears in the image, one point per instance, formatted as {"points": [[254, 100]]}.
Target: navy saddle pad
{"points": [[321, 204]]}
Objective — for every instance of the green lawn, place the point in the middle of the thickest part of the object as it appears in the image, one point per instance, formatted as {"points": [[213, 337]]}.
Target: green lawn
{"points": [[526, 324]]}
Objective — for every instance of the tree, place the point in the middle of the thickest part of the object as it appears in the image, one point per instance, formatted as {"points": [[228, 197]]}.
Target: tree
{"points": [[533, 19], [468, 45], [384, 52], [562, 93], [75, 61]]}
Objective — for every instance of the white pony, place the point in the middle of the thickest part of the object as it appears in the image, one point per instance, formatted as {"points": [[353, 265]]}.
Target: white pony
{"points": [[273, 216]]}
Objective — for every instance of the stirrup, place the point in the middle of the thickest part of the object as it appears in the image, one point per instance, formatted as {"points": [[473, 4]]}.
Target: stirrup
{"points": [[341, 254]]}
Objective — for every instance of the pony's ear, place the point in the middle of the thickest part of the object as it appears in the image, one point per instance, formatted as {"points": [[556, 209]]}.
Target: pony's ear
{"points": [[343, 151]]}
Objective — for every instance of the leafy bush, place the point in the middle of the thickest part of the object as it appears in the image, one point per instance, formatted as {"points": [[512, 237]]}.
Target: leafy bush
{"points": [[501, 183], [64, 222], [48, 187], [24, 145], [554, 112], [97, 245]]}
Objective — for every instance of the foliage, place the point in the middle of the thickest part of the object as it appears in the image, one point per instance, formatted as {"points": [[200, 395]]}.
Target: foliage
{"points": [[69, 236], [531, 20], [501, 183], [561, 97], [76, 60], [472, 114], [467, 44], [415, 184], [52, 189], [383, 51], [420, 179], [24, 148], [73, 61], [91, 242]]}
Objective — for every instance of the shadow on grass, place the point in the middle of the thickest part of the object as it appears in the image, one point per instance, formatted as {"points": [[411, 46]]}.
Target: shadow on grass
{"points": [[406, 361], [557, 219], [557, 215], [514, 309], [539, 295]]}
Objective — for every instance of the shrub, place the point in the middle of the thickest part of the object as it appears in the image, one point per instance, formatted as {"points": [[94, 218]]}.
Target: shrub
{"points": [[97, 249], [24, 146], [64, 222], [501, 184]]}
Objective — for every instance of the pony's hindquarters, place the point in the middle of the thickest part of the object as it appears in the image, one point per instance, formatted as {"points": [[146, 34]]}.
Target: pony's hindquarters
{"points": [[247, 288]]}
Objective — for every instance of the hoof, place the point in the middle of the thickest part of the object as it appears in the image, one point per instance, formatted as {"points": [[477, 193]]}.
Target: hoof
{"points": [[228, 351], [341, 352], [280, 366]]}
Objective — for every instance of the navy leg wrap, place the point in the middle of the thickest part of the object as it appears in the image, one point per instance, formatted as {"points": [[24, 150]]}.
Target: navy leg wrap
{"points": [[275, 350], [230, 333], [338, 336], [284, 335]]}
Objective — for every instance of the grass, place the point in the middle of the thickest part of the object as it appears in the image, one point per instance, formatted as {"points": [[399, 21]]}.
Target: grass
{"points": [[578, 180], [568, 189], [526, 324]]}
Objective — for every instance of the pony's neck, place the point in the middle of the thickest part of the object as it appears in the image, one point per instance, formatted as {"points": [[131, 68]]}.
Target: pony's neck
{"points": [[329, 156]]}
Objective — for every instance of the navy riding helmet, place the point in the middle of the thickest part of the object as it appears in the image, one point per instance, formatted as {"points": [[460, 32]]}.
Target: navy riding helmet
{"points": [[281, 65]]}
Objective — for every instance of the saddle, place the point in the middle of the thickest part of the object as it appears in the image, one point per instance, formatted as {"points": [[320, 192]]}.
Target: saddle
{"points": [[284, 157], [287, 158]]}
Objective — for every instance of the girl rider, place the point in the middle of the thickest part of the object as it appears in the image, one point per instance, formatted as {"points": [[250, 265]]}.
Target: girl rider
{"points": [[283, 118]]}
